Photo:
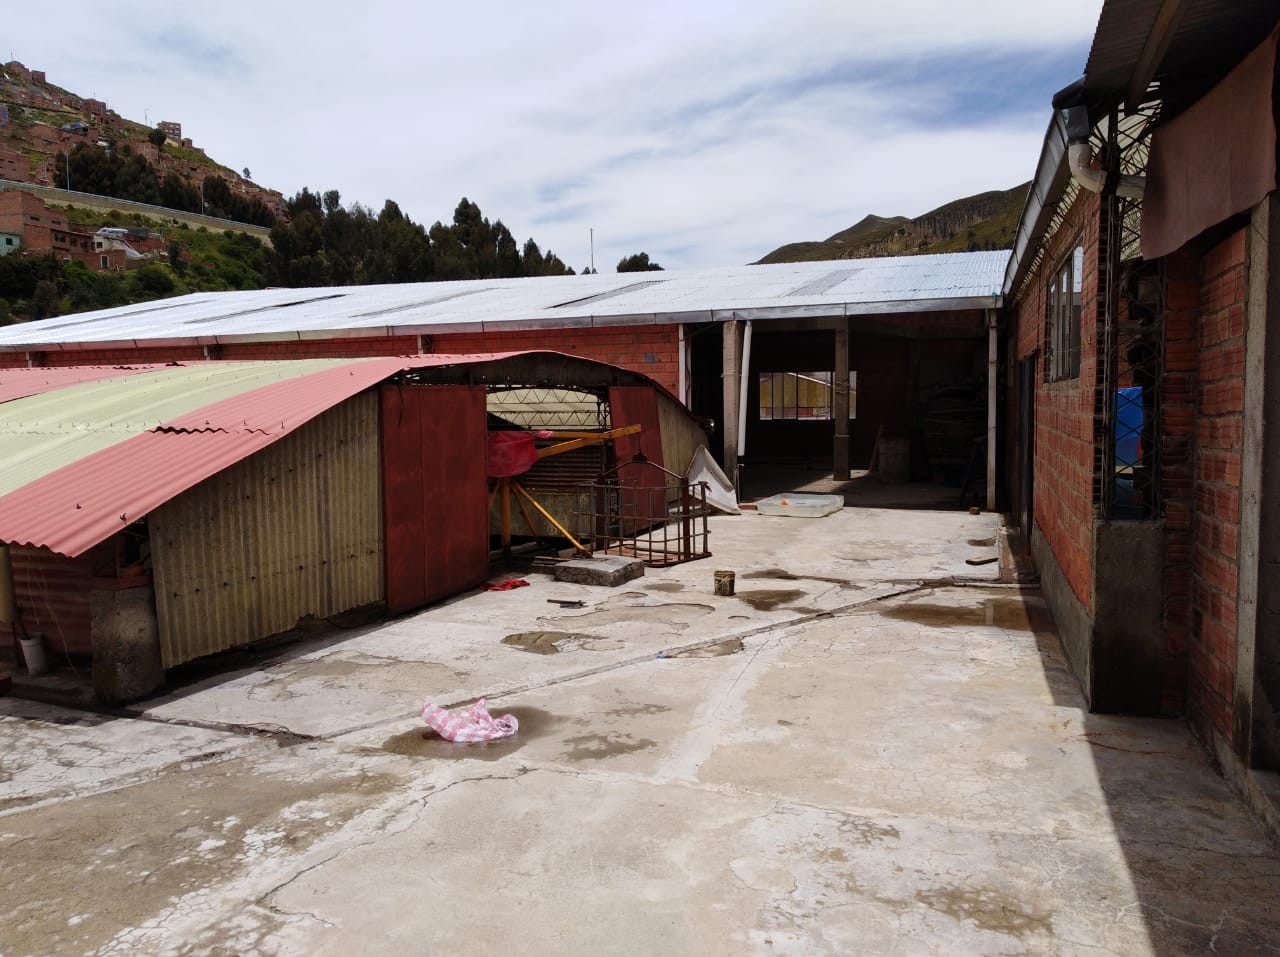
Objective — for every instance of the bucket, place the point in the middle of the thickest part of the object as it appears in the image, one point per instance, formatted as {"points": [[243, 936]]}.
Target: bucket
{"points": [[34, 654], [724, 584]]}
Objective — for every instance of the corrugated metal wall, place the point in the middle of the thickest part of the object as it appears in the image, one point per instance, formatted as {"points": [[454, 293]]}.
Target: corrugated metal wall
{"points": [[292, 531], [52, 594], [681, 434]]}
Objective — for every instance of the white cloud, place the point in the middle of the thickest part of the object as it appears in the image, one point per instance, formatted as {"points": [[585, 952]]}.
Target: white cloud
{"points": [[703, 133]]}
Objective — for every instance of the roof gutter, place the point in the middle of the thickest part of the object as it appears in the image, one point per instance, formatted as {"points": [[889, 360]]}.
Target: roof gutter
{"points": [[1052, 176]]}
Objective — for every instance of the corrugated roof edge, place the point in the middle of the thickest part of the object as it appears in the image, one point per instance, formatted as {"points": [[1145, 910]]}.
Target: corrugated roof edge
{"points": [[889, 307], [23, 382], [1047, 187], [82, 504]]}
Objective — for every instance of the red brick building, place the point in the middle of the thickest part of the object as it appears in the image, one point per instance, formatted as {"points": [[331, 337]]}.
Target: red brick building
{"points": [[1144, 398], [14, 166], [43, 231]]}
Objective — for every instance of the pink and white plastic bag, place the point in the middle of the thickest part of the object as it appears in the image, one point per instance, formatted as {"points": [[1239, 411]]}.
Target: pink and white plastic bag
{"points": [[471, 725]]}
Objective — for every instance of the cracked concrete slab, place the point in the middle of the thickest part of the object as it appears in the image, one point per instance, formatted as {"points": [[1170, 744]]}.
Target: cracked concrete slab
{"points": [[875, 765]]}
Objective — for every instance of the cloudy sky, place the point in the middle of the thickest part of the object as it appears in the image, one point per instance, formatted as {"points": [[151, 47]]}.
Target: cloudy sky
{"points": [[705, 133]]}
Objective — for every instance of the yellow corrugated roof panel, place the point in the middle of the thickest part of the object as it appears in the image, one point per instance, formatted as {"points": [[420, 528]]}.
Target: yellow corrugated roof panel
{"points": [[43, 433]]}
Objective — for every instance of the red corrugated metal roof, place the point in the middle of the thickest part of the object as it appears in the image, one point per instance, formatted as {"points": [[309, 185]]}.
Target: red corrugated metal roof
{"points": [[281, 407], [72, 509], [20, 383]]}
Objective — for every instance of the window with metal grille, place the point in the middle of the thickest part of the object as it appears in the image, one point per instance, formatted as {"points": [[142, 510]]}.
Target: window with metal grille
{"points": [[1062, 306], [802, 395]]}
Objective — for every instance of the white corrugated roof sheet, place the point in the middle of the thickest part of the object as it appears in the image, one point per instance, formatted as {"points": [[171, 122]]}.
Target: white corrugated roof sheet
{"points": [[901, 284]]}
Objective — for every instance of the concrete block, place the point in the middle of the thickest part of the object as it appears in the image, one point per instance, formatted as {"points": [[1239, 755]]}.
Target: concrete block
{"points": [[126, 645], [609, 570]]}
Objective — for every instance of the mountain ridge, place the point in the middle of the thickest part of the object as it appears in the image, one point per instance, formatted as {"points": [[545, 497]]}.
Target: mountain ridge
{"points": [[987, 220]]}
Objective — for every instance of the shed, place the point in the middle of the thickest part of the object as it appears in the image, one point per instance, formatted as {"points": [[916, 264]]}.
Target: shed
{"points": [[152, 515]]}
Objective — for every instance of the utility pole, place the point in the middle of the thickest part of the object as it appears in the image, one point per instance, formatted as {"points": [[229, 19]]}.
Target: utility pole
{"points": [[592, 231]]}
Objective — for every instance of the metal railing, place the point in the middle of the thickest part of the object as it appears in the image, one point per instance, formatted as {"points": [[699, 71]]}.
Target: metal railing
{"points": [[641, 510]]}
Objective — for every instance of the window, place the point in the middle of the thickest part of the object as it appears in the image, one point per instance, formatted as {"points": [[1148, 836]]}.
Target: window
{"points": [[1062, 306], [801, 395]]}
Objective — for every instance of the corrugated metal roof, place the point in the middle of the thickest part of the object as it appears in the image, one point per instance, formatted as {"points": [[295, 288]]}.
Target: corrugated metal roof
{"points": [[20, 383], [901, 284], [1209, 38], [45, 432], [89, 471]]}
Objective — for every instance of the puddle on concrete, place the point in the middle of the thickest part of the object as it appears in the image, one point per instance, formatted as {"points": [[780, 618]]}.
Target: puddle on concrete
{"points": [[782, 575], [549, 642], [425, 743], [730, 646], [597, 747], [666, 586], [767, 599], [982, 542], [637, 709], [675, 614], [1012, 614], [987, 909]]}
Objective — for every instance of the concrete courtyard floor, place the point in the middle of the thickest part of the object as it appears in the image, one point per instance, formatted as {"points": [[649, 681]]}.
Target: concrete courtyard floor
{"points": [[873, 748]]}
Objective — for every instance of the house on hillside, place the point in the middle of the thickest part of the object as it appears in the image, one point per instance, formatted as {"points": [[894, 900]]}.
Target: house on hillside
{"points": [[14, 166], [40, 230], [151, 515], [1144, 400], [917, 333]]}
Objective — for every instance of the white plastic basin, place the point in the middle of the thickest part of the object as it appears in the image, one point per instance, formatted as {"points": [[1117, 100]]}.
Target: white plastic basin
{"points": [[800, 504]]}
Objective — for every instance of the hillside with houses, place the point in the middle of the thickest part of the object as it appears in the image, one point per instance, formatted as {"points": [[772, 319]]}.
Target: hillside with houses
{"points": [[50, 136]]}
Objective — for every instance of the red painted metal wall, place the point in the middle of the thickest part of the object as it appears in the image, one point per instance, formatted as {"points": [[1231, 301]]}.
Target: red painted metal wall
{"points": [[435, 492], [638, 405]]}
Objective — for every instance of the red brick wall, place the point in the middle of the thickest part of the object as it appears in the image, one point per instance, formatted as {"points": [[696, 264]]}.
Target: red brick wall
{"points": [[1177, 466], [650, 350], [1063, 494], [1215, 532], [319, 348]]}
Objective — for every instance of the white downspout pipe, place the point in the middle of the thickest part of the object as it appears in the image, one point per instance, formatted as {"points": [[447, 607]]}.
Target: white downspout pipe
{"points": [[744, 381], [1080, 158], [1080, 161]]}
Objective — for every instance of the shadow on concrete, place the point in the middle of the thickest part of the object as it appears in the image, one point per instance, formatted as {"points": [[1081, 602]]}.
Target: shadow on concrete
{"points": [[1205, 875], [862, 490]]}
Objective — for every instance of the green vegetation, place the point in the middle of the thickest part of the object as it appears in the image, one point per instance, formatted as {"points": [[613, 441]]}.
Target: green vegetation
{"points": [[323, 244], [637, 262], [326, 244], [125, 174]]}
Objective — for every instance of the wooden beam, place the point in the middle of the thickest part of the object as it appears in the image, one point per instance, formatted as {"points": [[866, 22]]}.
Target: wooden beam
{"points": [[584, 439], [1153, 51]]}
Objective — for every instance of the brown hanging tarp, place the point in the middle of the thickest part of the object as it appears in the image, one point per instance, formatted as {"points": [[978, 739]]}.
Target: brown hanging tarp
{"points": [[1216, 159]]}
